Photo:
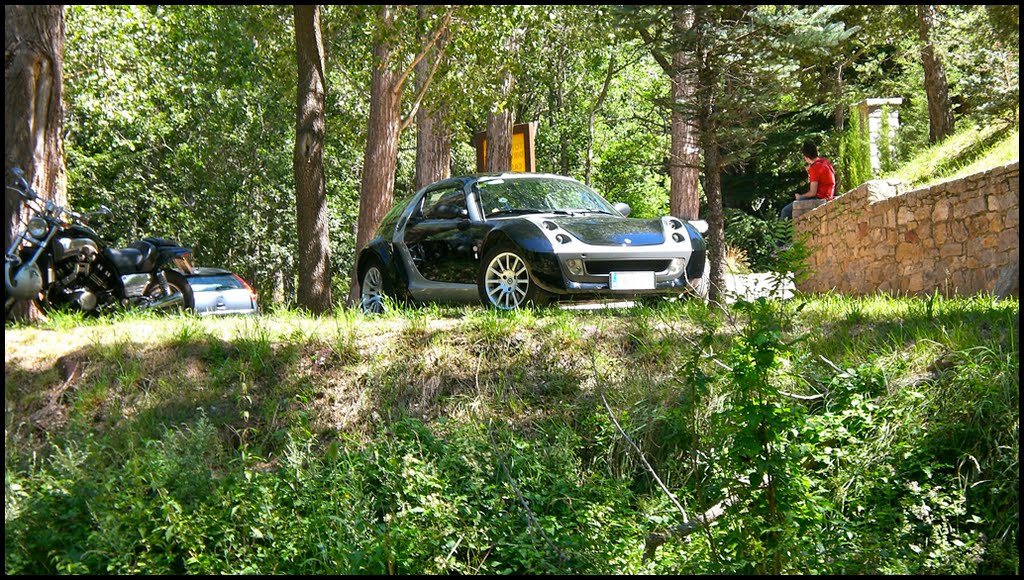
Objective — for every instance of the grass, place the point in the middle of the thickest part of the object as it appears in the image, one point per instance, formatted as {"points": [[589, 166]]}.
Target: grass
{"points": [[442, 439], [969, 151]]}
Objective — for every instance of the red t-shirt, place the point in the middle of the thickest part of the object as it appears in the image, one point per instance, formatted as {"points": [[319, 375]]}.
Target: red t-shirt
{"points": [[822, 172]]}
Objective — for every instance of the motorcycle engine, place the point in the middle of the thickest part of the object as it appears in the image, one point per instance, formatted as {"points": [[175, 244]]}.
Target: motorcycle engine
{"points": [[79, 280]]}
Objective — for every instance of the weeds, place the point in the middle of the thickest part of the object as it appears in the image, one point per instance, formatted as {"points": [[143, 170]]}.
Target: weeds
{"points": [[869, 435]]}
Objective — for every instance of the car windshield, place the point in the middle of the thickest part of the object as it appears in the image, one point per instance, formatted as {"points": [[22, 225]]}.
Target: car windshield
{"points": [[519, 195]]}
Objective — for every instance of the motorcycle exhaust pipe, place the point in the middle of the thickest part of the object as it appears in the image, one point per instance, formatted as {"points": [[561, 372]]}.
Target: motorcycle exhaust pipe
{"points": [[166, 302]]}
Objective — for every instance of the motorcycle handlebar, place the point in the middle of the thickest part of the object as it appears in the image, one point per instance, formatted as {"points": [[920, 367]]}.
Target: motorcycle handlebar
{"points": [[26, 190], [30, 194]]}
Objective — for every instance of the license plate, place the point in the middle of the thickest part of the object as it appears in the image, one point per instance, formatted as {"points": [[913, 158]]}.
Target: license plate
{"points": [[631, 281]]}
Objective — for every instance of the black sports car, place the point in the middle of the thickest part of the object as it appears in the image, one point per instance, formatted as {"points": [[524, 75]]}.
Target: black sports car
{"points": [[517, 238]]}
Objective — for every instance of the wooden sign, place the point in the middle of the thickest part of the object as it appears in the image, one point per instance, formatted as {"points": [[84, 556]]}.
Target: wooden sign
{"points": [[523, 158]]}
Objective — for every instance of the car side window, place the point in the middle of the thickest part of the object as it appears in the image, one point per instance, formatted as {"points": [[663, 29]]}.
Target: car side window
{"points": [[444, 204], [387, 225]]}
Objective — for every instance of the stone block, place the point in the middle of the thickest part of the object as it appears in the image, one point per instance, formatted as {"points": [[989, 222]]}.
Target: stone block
{"points": [[802, 206], [1008, 283]]}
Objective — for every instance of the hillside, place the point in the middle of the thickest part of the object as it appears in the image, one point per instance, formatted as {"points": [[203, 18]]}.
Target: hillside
{"points": [[971, 150], [884, 433]]}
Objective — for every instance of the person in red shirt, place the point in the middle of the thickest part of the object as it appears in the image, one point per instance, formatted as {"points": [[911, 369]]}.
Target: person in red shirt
{"points": [[820, 175]]}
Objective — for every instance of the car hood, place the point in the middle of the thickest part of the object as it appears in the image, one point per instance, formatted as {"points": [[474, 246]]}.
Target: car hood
{"points": [[612, 231]]}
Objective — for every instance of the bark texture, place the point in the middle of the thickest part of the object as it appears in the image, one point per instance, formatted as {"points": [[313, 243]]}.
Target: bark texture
{"points": [[499, 141], [501, 120], [708, 80], [433, 137], [940, 107], [684, 158], [314, 292], [33, 120], [377, 188], [33, 114]]}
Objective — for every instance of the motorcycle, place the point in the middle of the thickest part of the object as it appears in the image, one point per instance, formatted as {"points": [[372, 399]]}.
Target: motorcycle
{"points": [[58, 261]]}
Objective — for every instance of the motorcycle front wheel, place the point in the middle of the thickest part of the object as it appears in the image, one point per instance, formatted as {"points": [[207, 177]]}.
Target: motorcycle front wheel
{"points": [[177, 284]]}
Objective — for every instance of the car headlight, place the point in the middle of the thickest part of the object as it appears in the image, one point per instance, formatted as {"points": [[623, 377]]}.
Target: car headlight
{"points": [[575, 267], [38, 228]]}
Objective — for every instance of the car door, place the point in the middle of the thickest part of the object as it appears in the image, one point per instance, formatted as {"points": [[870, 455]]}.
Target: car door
{"points": [[441, 239]]}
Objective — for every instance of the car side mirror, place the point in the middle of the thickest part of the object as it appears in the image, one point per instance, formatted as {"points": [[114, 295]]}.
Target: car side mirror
{"points": [[623, 208]]}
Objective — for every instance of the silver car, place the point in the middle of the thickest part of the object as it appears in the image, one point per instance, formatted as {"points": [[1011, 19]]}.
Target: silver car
{"points": [[218, 291]]}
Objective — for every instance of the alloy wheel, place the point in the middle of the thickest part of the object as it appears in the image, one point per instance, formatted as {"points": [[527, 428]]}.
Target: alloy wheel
{"points": [[507, 281], [372, 291]]}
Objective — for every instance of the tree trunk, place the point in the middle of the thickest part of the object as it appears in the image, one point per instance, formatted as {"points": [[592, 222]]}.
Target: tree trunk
{"points": [[433, 148], [377, 188], [501, 120], [310, 192], [684, 161], [433, 138], [499, 141], [706, 89], [591, 119], [716, 219], [839, 112], [940, 108], [33, 118]]}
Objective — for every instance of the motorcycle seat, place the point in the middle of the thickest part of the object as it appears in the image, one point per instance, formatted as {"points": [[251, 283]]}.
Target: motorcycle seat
{"points": [[139, 257], [160, 241]]}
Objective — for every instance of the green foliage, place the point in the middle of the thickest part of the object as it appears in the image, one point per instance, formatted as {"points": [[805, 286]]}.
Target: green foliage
{"points": [[854, 163], [469, 441], [759, 238], [982, 58], [180, 118]]}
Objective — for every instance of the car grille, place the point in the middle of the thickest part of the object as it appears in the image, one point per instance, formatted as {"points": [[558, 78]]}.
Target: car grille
{"points": [[604, 267]]}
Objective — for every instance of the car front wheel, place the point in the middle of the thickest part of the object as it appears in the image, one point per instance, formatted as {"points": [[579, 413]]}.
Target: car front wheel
{"points": [[702, 289], [504, 281], [371, 289]]}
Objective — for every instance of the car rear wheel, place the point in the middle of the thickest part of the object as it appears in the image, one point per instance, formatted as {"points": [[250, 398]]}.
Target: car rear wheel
{"points": [[371, 288], [505, 282]]}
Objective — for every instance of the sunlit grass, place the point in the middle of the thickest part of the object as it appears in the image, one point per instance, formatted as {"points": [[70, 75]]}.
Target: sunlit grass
{"points": [[969, 151], [335, 418]]}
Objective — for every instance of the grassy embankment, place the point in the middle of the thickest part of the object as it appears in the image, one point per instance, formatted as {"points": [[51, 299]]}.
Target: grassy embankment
{"points": [[838, 435]]}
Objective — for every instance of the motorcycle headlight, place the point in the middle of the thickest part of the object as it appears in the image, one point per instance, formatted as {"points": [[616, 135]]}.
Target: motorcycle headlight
{"points": [[38, 228]]}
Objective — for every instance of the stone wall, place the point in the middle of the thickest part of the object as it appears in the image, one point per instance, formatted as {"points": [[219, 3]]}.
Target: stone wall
{"points": [[957, 237]]}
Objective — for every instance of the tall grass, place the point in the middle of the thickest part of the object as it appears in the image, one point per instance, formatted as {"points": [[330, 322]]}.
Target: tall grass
{"points": [[970, 150], [853, 435]]}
